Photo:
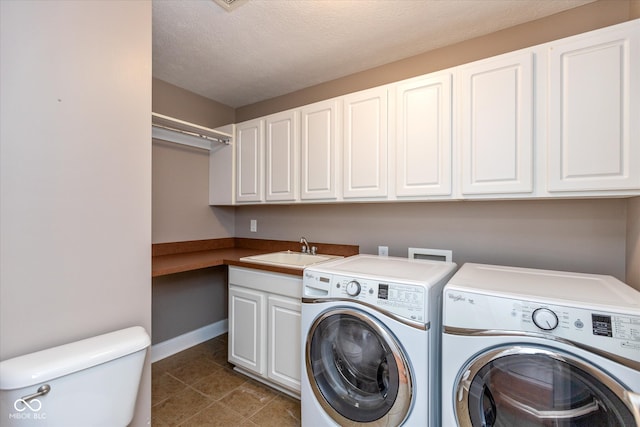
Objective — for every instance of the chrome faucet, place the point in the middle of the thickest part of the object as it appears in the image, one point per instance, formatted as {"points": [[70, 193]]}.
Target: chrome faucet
{"points": [[305, 247]]}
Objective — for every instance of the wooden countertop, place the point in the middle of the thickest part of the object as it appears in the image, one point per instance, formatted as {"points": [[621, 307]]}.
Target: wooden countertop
{"points": [[176, 257]]}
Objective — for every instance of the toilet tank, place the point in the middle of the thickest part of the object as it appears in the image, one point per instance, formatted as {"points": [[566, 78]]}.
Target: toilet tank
{"points": [[92, 382]]}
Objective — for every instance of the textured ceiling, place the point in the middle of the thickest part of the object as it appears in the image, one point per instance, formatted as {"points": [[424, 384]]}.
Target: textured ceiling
{"points": [[267, 48]]}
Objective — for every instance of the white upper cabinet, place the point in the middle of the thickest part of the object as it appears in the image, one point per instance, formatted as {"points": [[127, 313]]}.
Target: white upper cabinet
{"points": [[423, 136], [365, 144], [281, 156], [320, 148], [267, 158], [496, 97], [594, 111], [249, 160], [560, 119]]}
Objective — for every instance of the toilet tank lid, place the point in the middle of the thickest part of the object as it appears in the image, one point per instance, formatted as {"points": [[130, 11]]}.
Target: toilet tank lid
{"points": [[46, 365]]}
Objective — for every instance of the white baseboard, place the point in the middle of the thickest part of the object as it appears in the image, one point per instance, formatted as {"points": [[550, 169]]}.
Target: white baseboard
{"points": [[175, 345]]}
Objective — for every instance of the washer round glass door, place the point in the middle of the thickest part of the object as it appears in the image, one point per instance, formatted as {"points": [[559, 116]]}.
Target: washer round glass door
{"points": [[531, 387], [357, 370]]}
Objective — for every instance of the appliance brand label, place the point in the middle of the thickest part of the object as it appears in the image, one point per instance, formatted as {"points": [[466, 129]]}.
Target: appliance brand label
{"points": [[460, 298], [456, 297]]}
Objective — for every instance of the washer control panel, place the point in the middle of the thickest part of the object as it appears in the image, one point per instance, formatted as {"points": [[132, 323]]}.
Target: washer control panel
{"points": [[404, 300], [613, 332]]}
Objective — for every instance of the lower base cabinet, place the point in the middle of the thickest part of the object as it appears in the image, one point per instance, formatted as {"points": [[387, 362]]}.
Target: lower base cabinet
{"points": [[264, 327]]}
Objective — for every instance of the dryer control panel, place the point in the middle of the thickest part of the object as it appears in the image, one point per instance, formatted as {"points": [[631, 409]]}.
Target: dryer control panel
{"points": [[404, 300], [614, 333]]}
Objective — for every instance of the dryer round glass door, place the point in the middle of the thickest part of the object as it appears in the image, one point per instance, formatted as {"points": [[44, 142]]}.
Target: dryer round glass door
{"points": [[531, 387], [357, 370]]}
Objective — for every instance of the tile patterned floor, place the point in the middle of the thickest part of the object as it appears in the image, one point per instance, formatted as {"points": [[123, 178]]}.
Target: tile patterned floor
{"points": [[198, 388]]}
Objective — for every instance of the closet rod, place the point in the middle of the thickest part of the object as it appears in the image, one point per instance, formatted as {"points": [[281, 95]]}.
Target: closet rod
{"points": [[198, 135]]}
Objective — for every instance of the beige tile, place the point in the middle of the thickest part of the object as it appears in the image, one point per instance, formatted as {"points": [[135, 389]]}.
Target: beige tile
{"points": [[215, 394], [162, 366], [249, 398], [156, 422], [177, 360], [194, 370], [202, 351], [179, 407], [210, 346], [213, 345], [164, 386], [224, 338], [221, 358], [189, 355], [215, 415], [282, 411], [214, 350], [219, 383]]}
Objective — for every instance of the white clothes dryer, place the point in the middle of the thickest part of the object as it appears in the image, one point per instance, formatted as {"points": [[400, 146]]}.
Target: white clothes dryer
{"points": [[370, 333], [527, 348]]}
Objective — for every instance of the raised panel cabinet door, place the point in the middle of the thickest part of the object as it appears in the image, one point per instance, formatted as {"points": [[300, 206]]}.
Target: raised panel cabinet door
{"points": [[284, 341], [249, 161], [247, 329], [423, 136], [365, 144], [594, 111], [497, 125], [319, 150], [281, 155]]}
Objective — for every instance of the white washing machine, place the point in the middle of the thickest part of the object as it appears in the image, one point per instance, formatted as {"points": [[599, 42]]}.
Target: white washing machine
{"points": [[524, 347], [370, 333]]}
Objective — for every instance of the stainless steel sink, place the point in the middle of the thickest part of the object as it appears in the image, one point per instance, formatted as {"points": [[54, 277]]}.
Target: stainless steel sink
{"points": [[289, 259]]}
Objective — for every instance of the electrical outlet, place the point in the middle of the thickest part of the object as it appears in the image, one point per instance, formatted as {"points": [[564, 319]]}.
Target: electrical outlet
{"points": [[383, 250], [254, 226]]}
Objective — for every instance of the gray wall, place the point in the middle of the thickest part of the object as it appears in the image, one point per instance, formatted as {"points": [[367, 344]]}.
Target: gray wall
{"points": [[574, 235], [184, 302], [181, 208], [173, 101], [75, 227]]}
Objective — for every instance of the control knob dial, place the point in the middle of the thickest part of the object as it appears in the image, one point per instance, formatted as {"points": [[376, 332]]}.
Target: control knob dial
{"points": [[545, 319], [353, 288]]}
